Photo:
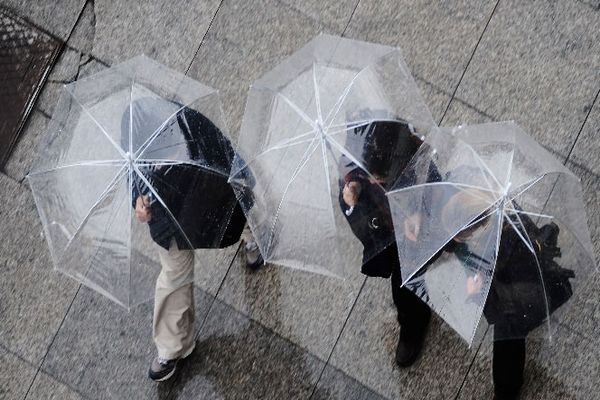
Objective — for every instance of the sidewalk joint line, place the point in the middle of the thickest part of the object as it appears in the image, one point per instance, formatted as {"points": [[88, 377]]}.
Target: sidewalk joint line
{"points": [[468, 62]]}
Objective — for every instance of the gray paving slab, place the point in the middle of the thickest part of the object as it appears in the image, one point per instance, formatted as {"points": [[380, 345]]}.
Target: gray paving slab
{"points": [[565, 368], [33, 298], [104, 352], [240, 359], [167, 31], [16, 377], [367, 346], [334, 384], [45, 387], [538, 64], [56, 17], [245, 41], [308, 309], [436, 39]]}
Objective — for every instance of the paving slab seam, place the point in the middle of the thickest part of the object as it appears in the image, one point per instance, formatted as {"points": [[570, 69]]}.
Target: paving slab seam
{"points": [[19, 357], [305, 15], [203, 36], [66, 384], [470, 366], [350, 19], [52, 342], [337, 339], [469, 62], [582, 126]]}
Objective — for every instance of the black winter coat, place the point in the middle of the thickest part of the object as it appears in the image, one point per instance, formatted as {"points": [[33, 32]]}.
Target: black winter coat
{"points": [[386, 147], [524, 291], [199, 201]]}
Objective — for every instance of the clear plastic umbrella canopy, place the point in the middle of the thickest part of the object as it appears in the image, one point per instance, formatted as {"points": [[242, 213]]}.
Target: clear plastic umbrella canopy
{"points": [[137, 129], [501, 234], [329, 109]]}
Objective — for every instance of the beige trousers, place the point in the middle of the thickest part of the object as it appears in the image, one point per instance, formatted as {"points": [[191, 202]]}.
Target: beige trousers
{"points": [[173, 326]]}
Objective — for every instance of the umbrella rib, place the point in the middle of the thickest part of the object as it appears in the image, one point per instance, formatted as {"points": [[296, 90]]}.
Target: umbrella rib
{"points": [[528, 185], [154, 135], [514, 210], [282, 145], [530, 247], [484, 165], [131, 117], [458, 185], [317, 96], [404, 281], [294, 107], [338, 104], [101, 198], [162, 203], [498, 237], [119, 149], [303, 160], [81, 164], [352, 158], [158, 162], [298, 111]]}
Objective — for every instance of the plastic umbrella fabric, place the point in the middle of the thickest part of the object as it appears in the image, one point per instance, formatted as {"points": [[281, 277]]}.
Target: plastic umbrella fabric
{"points": [[307, 123], [136, 130], [502, 233]]}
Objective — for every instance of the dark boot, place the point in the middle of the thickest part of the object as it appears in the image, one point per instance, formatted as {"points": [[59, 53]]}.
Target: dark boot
{"points": [[410, 344], [508, 367], [413, 316]]}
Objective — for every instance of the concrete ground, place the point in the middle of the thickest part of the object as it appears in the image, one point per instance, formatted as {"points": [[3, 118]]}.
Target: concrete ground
{"points": [[278, 333]]}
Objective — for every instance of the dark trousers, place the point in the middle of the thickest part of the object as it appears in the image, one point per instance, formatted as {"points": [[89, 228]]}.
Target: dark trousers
{"points": [[413, 313], [507, 367]]}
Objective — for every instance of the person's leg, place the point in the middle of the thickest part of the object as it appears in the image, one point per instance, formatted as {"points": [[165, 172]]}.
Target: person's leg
{"points": [[507, 368], [173, 325], [251, 250], [414, 316]]}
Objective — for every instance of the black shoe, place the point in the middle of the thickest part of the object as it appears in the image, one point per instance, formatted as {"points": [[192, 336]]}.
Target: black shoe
{"points": [[409, 347], [162, 369], [253, 257]]}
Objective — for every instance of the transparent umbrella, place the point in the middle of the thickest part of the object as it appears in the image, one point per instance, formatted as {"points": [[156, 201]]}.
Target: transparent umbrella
{"points": [[502, 233], [135, 132], [324, 118]]}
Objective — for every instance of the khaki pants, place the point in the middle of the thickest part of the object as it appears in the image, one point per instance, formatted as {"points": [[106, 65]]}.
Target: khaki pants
{"points": [[173, 326]]}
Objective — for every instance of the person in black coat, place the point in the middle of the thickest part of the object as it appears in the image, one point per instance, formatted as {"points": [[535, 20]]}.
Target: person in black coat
{"points": [[186, 206], [386, 146], [527, 284]]}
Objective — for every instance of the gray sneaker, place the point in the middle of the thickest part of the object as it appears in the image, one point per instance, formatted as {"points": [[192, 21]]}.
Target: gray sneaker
{"points": [[253, 257], [162, 369]]}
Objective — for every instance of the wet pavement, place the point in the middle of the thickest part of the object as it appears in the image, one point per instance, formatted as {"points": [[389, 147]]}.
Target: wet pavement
{"points": [[277, 333], [26, 57]]}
